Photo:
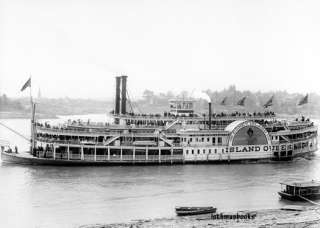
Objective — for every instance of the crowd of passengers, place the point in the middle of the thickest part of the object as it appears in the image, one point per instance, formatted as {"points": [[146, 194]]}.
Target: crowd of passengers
{"points": [[221, 114], [160, 123], [303, 119], [70, 122], [47, 125], [238, 114]]}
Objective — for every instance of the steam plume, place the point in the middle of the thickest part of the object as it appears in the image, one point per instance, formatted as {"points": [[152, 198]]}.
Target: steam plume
{"points": [[202, 95]]}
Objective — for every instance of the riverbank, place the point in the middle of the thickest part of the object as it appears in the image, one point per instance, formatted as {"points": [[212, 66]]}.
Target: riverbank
{"points": [[297, 217]]}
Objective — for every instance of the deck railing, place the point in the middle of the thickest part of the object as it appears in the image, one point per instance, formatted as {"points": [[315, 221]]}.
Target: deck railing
{"points": [[91, 157]]}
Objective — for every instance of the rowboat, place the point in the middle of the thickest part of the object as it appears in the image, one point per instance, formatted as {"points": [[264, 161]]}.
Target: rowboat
{"points": [[183, 211]]}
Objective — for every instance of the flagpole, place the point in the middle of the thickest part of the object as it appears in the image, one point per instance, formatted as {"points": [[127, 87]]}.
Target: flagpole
{"points": [[32, 118], [308, 108], [31, 101], [309, 117]]}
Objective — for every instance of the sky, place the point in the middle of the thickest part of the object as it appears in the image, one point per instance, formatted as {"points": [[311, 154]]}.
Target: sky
{"points": [[75, 48]]}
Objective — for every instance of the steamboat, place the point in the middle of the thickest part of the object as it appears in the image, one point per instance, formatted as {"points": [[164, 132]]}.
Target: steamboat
{"points": [[179, 136]]}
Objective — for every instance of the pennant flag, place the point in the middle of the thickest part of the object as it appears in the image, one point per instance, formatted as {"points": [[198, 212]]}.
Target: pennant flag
{"points": [[26, 85], [241, 102], [224, 101], [304, 100], [269, 102]]}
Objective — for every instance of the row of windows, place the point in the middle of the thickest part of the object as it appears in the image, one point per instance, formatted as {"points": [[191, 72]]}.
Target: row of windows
{"points": [[203, 139], [274, 137], [198, 151]]}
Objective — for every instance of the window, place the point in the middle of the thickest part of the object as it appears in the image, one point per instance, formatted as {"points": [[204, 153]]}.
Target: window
{"points": [[187, 151], [190, 139], [219, 140], [202, 139], [209, 151], [192, 151], [215, 151], [198, 151], [223, 151], [208, 139], [213, 140], [204, 151], [196, 139]]}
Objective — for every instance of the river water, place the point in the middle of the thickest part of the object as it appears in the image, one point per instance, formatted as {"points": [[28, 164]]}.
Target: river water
{"points": [[44, 196]]}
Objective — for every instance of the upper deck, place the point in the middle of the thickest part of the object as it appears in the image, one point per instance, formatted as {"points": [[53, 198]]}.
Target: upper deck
{"points": [[167, 116], [218, 125]]}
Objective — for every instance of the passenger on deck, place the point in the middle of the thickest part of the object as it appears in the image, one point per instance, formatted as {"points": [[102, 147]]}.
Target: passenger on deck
{"points": [[16, 149]]}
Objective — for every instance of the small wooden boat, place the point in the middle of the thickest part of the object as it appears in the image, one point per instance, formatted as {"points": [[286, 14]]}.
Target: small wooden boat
{"points": [[183, 211], [300, 191]]}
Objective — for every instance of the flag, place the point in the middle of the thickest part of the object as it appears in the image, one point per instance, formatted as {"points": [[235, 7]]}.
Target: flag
{"points": [[269, 102], [223, 102], [26, 85], [241, 102], [304, 100]]}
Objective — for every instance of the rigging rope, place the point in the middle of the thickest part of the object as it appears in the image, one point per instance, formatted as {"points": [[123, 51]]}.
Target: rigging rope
{"points": [[14, 131], [131, 103]]}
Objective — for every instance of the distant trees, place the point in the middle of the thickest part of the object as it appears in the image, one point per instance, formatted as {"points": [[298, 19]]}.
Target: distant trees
{"points": [[50, 106], [283, 102], [7, 104]]}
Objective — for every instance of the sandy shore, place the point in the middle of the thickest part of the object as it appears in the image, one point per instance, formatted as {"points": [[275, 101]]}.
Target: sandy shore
{"points": [[301, 218]]}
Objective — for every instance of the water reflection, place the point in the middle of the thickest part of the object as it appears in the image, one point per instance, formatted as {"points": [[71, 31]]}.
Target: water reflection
{"points": [[51, 195]]}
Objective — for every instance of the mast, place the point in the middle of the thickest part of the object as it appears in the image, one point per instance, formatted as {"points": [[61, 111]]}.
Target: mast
{"points": [[31, 101], [33, 128], [33, 108]]}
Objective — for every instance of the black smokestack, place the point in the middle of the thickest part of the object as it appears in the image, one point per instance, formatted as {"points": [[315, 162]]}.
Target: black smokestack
{"points": [[117, 103], [124, 95], [210, 114]]}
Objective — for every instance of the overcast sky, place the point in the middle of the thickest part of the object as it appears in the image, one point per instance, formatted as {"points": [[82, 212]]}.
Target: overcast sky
{"points": [[76, 48]]}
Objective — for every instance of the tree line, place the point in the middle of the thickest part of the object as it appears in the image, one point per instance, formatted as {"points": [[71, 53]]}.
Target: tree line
{"points": [[283, 102], [151, 102]]}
